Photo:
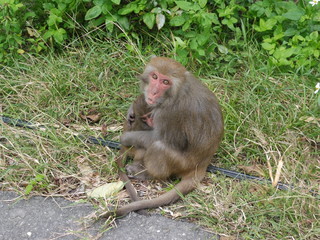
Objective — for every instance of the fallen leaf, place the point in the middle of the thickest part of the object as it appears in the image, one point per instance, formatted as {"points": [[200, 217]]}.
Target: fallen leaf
{"points": [[106, 190], [252, 169], [256, 188], [123, 195], [31, 32], [88, 176], [77, 127], [93, 116], [310, 119], [115, 127], [104, 129]]}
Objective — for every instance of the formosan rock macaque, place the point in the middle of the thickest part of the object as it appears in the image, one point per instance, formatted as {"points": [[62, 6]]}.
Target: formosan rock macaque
{"points": [[187, 128]]}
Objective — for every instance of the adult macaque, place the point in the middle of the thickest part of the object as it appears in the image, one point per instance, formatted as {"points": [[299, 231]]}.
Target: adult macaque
{"points": [[137, 120], [187, 129]]}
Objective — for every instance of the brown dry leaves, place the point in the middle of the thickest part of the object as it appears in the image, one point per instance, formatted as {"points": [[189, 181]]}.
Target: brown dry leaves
{"points": [[92, 116], [88, 177], [255, 169]]}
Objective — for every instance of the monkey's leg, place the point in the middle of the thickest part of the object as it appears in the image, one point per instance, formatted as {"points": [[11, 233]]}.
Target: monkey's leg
{"points": [[136, 169], [162, 162]]}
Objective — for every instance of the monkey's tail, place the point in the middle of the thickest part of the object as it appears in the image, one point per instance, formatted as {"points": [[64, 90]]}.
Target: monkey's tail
{"points": [[182, 188], [128, 184]]}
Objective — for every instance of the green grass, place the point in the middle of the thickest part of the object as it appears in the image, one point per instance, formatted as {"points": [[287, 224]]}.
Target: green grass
{"points": [[264, 116]]}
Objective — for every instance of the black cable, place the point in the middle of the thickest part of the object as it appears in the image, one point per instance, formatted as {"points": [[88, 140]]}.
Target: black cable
{"points": [[100, 141], [242, 176], [89, 139], [116, 145], [19, 123]]}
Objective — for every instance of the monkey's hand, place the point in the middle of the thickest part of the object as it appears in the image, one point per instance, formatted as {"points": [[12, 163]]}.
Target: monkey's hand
{"points": [[138, 139], [125, 139]]}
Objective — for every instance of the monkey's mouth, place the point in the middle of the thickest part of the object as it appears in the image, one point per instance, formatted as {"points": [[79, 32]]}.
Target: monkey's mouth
{"points": [[150, 101]]}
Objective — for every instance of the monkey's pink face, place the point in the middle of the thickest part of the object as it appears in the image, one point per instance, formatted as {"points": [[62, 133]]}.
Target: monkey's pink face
{"points": [[158, 85]]}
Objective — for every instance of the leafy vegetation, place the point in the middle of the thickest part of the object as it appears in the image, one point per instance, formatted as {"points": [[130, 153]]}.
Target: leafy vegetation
{"points": [[72, 65], [205, 31]]}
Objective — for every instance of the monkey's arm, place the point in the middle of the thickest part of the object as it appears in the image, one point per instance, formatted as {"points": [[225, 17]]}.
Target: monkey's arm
{"points": [[138, 139]]}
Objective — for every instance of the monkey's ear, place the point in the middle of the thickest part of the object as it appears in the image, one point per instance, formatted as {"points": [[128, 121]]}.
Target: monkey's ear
{"points": [[188, 74], [143, 77]]}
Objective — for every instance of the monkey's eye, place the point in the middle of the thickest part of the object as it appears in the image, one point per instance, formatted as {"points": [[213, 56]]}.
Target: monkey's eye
{"points": [[166, 82], [154, 76]]}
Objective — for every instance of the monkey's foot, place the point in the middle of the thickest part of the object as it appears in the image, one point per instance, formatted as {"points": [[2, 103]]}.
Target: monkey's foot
{"points": [[137, 171]]}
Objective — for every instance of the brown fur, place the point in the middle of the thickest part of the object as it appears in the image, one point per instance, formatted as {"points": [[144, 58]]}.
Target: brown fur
{"points": [[187, 130]]}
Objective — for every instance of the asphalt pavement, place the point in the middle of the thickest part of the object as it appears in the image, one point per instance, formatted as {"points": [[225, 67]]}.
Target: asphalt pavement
{"points": [[40, 218]]}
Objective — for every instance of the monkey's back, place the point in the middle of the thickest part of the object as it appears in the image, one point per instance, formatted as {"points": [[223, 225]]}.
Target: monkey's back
{"points": [[194, 122]]}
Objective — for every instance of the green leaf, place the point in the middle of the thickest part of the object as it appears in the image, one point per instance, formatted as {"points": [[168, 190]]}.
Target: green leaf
{"points": [[265, 25], [190, 34], [201, 52], [28, 189], [194, 44], [223, 49], [48, 6], [62, 6], [93, 13], [48, 34], [184, 5], [53, 19], [109, 25], [291, 32], [117, 2], [294, 14], [203, 38], [106, 7], [124, 22], [283, 53], [268, 46], [58, 35], [212, 17], [39, 177], [20, 51], [55, 11], [177, 21], [98, 21], [186, 26], [179, 42], [314, 35], [98, 2], [202, 3], [229, 22], [128, 8], [30, 14], [182, 56], [149, 20]]}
